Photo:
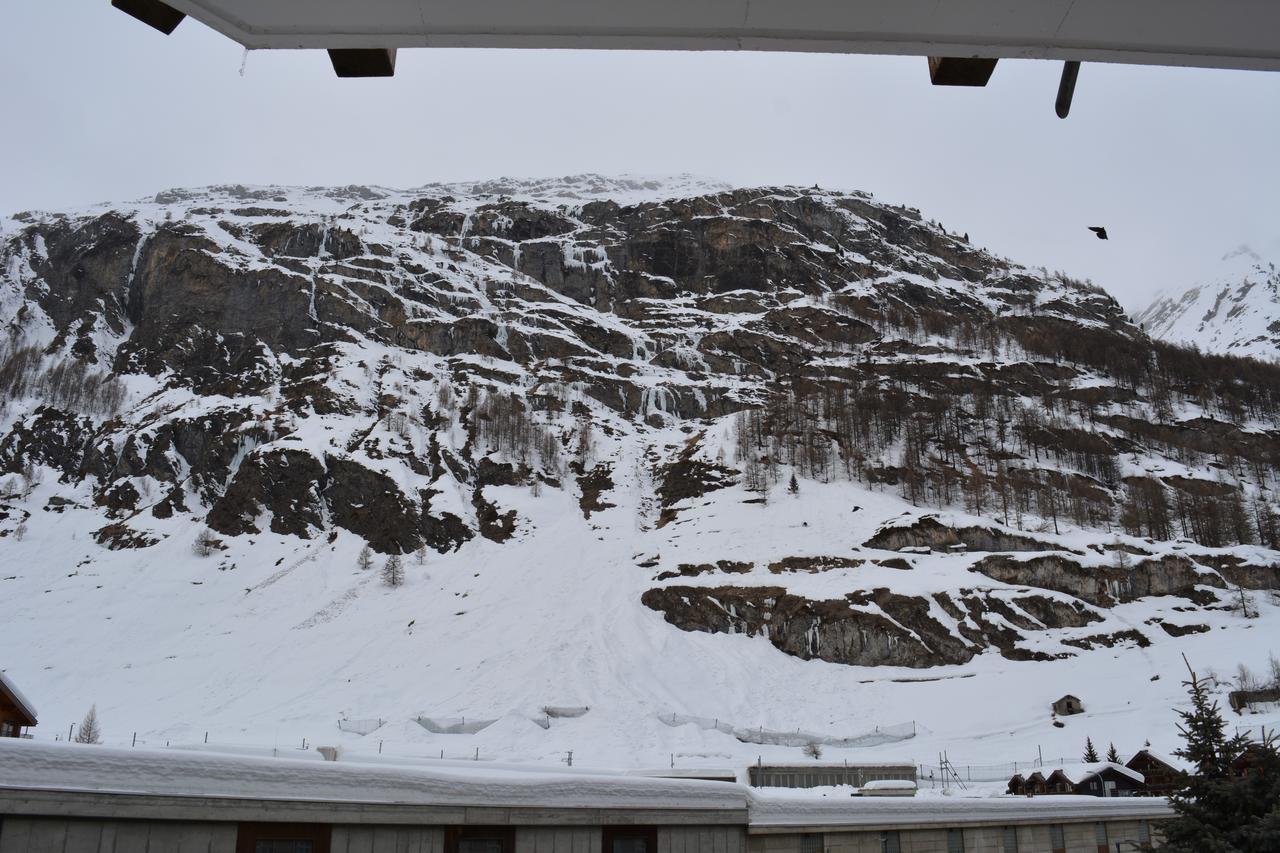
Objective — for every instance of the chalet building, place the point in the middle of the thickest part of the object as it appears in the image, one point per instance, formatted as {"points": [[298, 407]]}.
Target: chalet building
{"points": [[16, 713], [1068, 705], [1102, 779], [1161, 776], [1251, 762], [58, 796], [1240, 700]]}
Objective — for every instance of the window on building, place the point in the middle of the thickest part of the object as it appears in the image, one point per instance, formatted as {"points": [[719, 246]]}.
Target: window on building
{"points": [[955, 841], [811, 842], [480, 839], [1100, 836], [1056, 839], [283, 838], [1144, 834], [1010, 839], [890, 842], [630, 839]]}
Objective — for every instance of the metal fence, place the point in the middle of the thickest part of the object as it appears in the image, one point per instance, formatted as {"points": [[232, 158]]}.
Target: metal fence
{"points": [[361, 727], [991, 772]]}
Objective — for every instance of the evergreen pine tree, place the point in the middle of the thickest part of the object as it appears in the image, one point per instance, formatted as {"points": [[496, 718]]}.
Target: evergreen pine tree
{"points": [[393, 571], [1090, 752], [1112, 755], [793, 487], [1217, 810], [89, 731], [364, 561]]}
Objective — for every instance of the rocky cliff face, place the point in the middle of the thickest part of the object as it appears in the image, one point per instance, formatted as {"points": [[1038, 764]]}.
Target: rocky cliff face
{"points": [[395, 365]]}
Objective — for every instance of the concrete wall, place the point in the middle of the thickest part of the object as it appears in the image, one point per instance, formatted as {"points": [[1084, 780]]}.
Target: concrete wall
{"points": [[384, 839], [60, 835], [700, 839], [1079, 838], [558, 839]]}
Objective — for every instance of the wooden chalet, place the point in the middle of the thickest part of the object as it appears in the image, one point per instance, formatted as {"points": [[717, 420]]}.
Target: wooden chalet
{"points": [[1253, 761], [16, 713], [1068, 705], [1102, 779], [1036, 784], [1161, 776]]}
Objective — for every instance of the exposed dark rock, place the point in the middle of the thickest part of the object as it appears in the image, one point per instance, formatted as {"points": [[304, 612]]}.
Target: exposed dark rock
{"points": [[285, 483], [813, 564], [1109, 640], [689, 570], [827, 630], [119, 537], [593, 484], [689, 477], [928, 532], [1103, 586]]}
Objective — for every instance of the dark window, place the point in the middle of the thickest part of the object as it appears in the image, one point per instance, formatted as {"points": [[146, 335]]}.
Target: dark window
{"points": [[630, 839], [283, 838], [1010, 839], [480, 839], [811, 842], [890, 843], [1144, 834], [1100, 836], [955, 841], [1056, 840]]}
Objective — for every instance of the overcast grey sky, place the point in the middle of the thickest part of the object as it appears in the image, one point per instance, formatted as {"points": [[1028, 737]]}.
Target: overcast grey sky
{"points": [[1180, 165]]}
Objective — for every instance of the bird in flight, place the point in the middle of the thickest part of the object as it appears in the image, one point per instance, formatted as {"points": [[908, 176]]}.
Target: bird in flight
{"points": [[1099, 231]]}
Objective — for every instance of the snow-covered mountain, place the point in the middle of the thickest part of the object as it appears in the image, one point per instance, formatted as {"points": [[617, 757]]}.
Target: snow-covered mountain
{"points": [[677, 473], [1234, 312]]}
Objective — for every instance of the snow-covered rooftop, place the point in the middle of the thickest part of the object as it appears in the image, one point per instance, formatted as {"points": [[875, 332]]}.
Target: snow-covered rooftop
{"points": [[78, 767], [1079, 772], [21, 701], [74, 768]]}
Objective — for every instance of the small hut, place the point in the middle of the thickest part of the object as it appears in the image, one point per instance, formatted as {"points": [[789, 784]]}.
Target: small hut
{"points": [[1068, 705], [16, 713], [1241, 700]]}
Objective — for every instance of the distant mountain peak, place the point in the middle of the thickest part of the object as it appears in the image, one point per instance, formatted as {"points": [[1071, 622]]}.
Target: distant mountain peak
{"points": [[1234, 311]]}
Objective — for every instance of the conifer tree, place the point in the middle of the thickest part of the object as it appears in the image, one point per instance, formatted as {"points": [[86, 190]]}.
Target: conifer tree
{"points": [[393, 571], [794, 486], [1090, 752], [364, 561], [1112, 755], [89, 731], [1218, 810]]}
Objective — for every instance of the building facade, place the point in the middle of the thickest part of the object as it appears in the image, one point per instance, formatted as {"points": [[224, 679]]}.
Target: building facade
{"points": [[73, 798]]}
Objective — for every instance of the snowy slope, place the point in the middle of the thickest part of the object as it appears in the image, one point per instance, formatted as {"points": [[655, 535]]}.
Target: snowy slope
{"points": [[1236, 311], [296, 372]]}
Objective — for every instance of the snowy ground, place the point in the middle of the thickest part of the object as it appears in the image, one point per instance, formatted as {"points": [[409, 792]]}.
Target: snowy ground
{"points": [[269, 643]]}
